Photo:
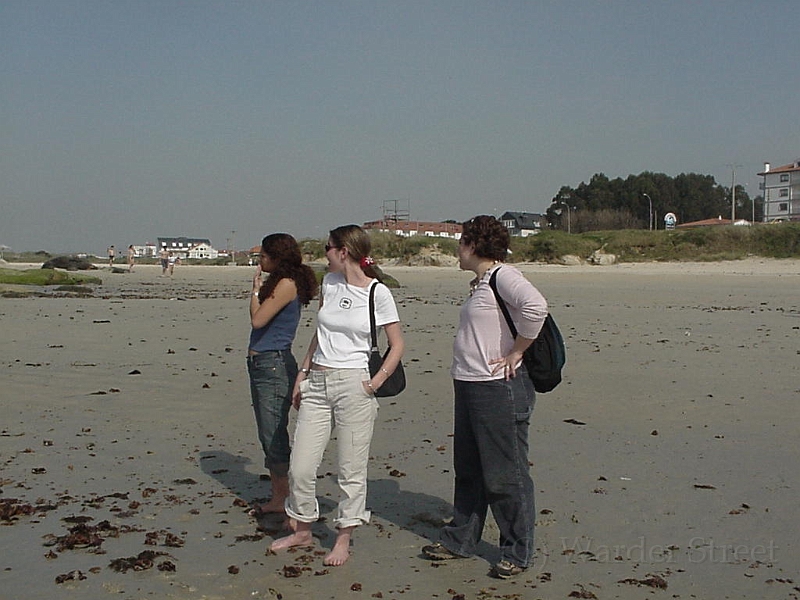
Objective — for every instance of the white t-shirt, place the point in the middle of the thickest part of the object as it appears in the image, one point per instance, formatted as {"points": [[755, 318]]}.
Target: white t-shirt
{"points": [[343, 340]]}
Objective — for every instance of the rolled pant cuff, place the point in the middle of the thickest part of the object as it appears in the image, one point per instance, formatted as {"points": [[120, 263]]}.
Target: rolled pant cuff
{"points": [[297, 516], [341, 524]]}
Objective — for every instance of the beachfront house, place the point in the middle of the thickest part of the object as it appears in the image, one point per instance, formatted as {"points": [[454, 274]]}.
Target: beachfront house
{"points": [[522, 224], [781, 190], [182, 246], [148, 250], [203, 251], [408, 228]]}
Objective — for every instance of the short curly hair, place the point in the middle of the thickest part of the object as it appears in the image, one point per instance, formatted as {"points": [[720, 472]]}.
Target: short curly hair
{"points": [[489, 236]]}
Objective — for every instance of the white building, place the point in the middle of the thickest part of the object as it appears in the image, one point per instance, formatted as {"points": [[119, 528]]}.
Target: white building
{"points": [[409, 228], [149, 250], [781, 189], [203, 250], [522, 224], [181, 246]]}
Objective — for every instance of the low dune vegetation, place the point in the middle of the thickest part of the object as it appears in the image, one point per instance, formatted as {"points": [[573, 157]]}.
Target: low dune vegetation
{"points": [[703, 244]]}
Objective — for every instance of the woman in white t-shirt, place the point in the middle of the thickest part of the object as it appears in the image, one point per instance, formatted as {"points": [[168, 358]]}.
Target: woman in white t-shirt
{"points": [[334, 388]]}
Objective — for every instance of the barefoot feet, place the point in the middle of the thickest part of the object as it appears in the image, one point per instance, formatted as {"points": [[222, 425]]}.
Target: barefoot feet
{"points": [[298, 538], [341, 549], [276, 504], [302, 537], [265, 510]]}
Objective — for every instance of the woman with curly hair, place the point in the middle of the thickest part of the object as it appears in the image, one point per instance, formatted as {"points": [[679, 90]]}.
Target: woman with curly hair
{"points": [[494, 400], [275, 306], [334, 387]]}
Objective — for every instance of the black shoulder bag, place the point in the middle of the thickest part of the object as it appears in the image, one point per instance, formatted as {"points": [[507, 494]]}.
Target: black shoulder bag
{"points": [[396, 382], [546, 356]]}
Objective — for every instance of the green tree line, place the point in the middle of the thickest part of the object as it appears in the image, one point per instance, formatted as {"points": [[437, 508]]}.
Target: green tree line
{"points": [[605, 204]]}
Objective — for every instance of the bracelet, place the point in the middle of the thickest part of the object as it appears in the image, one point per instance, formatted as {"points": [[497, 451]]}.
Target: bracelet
{"points": [[255, 294], [305, 371], [385, 371]]}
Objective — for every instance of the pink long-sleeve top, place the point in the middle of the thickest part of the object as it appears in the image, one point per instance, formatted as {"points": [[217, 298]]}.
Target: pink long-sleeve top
{"points": [[482, 333]]}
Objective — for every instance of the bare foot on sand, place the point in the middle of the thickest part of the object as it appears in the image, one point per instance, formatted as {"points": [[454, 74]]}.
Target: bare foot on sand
{"points": [[341, 549], [301, 537], [274, 506]]}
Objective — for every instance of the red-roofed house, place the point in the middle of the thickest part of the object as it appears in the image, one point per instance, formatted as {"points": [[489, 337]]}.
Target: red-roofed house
{"points": [[704, 223], [781, 189], [409, 228]]}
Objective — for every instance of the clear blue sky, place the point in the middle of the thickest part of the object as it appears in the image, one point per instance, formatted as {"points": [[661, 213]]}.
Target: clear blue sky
{"points": [[123, 121]]}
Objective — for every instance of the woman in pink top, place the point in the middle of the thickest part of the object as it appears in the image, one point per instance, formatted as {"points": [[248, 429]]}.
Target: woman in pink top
{"points": [[494, 401]]}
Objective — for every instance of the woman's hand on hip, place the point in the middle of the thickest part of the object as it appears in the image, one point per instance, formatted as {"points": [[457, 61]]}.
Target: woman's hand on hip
{"points": [[507, 365]]}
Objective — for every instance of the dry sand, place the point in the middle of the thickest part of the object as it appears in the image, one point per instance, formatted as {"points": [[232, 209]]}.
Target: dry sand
{"points": [[668, 455]]}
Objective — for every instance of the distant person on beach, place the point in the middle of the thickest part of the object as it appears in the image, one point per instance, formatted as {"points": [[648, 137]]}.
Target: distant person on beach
{"points": [[494, 400], [111, 254], [334, 389], [131, 258], [275, 306], [173, 260], [163, 258]]}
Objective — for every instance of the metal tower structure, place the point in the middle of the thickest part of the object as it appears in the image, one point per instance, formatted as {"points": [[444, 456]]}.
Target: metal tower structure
{"points": [[397, 210]]}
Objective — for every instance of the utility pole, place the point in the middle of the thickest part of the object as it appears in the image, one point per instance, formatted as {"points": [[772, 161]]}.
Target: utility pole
{"points": [[733, 192], [569, 225], [650, 221]]}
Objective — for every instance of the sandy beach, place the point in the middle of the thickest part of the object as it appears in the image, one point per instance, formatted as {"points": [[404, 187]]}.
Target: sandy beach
{"points": [[665, 465]]}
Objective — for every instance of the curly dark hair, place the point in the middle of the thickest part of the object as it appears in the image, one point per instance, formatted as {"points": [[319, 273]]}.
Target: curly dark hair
{"points": [[285, 251], [490, 237]]}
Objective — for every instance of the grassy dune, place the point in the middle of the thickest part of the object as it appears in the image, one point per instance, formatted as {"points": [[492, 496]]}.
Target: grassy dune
{"points": [[45, 277], [780, 240]]}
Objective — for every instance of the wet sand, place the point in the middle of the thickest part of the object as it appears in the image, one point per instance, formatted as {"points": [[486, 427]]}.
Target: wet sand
{"points": [[666, 458]]}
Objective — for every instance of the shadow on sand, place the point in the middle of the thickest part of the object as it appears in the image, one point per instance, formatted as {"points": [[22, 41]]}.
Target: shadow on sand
{"points": [[421, 514], [416, 512]]}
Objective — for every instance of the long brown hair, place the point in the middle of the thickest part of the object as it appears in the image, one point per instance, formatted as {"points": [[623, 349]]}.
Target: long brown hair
{"points": [[284, 250], [358, 245]]}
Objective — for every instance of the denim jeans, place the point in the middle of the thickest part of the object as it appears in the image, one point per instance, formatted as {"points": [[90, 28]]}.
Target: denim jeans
{"points": [[332, 397], [490, 458], [272, 376]]}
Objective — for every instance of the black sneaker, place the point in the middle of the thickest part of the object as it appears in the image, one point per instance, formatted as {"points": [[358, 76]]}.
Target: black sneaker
{"points": [[505, 569], [438, 551]]}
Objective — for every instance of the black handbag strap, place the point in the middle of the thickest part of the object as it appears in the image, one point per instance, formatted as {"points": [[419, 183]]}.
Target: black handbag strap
{"points": [[501, 303], [372, 330]]}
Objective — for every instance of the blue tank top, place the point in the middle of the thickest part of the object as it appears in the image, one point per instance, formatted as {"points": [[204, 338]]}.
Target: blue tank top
{"points": [[279, 333]]}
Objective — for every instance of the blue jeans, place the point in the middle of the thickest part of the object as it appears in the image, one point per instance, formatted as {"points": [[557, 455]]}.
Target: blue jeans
{"points": [[490, 458], [272, 376]]}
